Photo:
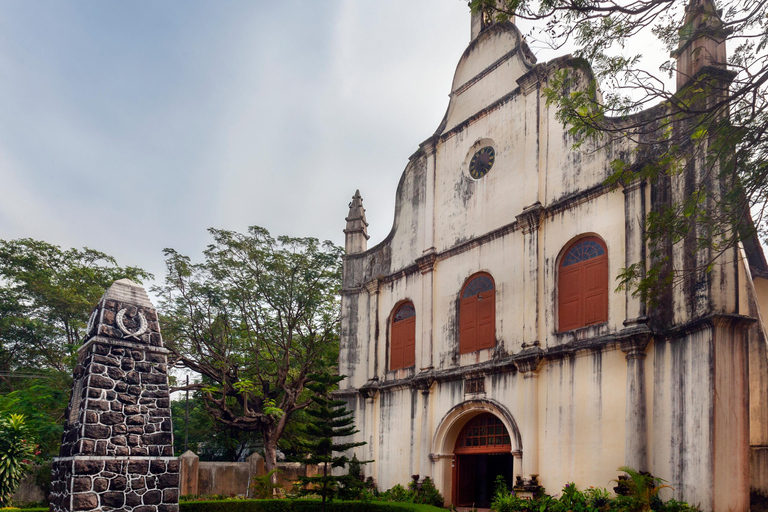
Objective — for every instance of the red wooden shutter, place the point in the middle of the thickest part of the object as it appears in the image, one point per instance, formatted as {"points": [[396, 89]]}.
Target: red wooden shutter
{"points": [[486, 320], [569, 294], [402, 352], [409, 342], [596, 290], [468, 325], [582, 286], [396, 343]]}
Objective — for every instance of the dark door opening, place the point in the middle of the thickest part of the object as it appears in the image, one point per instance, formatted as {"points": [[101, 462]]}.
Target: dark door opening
{"points": [[482, 453], [476, 477]]}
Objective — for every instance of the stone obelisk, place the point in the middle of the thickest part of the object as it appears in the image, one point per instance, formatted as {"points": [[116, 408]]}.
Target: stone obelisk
{"points": [[117, 448]]}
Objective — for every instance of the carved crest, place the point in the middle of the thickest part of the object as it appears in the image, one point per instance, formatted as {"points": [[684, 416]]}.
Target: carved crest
{"points": [[91, 322], [128, 334]]}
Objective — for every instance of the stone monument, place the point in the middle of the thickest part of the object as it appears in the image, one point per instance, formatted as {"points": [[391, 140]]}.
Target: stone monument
{"points": [[117, 447]]}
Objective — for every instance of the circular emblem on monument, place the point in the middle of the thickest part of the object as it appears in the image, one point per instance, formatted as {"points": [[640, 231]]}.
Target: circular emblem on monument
{"points": [[121, 324], [482, 162]]}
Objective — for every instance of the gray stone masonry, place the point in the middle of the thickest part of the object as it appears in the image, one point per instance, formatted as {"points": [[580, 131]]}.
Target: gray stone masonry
{"points": [[117, 447]]}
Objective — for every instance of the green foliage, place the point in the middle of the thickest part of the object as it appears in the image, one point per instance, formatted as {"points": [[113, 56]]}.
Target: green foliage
{"points": [[209, 439], [301, 506], [353, 485], [425, 492], [422, 493], [329, 421], [642, 490], [263, 487], [642, 496], [16, 452], [46, 296], [398, 494], [255, 319]]}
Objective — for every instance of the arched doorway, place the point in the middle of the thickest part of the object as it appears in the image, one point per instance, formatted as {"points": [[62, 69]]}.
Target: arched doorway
{"points": [[483, 452]]}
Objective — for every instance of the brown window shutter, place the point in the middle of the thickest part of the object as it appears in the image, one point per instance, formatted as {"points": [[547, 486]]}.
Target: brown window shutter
{"points": [[396, 343], [486, 320], [402, 353], [582, 286], [468, 325], [596, 290], [569, 295], [409, 342]]}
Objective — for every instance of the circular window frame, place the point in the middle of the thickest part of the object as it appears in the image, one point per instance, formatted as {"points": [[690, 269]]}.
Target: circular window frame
{"points": [[479, 145]]}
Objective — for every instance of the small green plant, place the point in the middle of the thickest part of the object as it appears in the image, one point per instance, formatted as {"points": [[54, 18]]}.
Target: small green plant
{"points": [[597, 498], [504, 500], [425, 493], [642, 490], [262, 487], [398, 493], [352, 485], [15, 454]]}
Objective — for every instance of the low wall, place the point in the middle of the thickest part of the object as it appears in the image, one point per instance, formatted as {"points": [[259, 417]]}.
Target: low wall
{"points": [[233, 478], [202, 478], [28, 491]]}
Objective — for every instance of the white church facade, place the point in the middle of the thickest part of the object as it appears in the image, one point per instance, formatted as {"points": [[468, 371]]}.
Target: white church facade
{"points": [[485, 336]]}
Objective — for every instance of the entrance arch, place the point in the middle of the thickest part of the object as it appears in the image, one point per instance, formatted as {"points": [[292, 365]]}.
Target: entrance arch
{"points": [[483, 452], [451, 426]]}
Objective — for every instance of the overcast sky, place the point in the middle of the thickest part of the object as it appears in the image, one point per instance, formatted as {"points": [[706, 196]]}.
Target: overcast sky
{"points": [[128, 127]]}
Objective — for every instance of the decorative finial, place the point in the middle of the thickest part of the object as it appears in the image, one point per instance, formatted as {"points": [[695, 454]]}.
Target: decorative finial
{"points": [[356, 232]]}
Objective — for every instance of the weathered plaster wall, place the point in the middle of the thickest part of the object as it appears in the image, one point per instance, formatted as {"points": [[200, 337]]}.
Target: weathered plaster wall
{"points": [[662, 389]]}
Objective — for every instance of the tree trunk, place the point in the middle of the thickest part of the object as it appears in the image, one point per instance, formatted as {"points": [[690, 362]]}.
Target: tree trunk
{"points": [[270, 456]]}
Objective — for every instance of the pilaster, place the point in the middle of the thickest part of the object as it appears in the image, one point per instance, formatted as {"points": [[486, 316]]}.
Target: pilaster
{"points": [[528, 364], [530, 220], [634, 248], [636, 414]]}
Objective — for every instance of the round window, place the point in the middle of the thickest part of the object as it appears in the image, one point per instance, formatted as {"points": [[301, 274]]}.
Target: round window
{"points": [[481, 162]]}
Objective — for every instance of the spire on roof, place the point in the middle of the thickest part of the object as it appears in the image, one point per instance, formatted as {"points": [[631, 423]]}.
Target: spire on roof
{"points": [[702, 41], [486, 17], [356, 232]]}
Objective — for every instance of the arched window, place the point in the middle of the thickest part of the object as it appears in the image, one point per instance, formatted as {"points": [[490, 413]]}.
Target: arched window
{"points": [[402, 352], [477, 314], [583, 284], [484, 434]]}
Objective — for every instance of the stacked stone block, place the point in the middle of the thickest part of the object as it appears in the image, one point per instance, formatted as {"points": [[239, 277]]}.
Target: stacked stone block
{"points": [[117, 448]]}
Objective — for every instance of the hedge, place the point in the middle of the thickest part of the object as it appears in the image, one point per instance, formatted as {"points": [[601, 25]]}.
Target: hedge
{"points": [[302, 506]]}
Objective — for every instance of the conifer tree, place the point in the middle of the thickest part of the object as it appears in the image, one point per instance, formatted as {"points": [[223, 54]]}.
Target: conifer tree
{"points": [[329, 422]]}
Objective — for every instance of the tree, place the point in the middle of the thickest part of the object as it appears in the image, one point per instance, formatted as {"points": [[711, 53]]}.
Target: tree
{"points": [[46, 296], [717, 115], [209, 439], [255, 319], [329, 422]]}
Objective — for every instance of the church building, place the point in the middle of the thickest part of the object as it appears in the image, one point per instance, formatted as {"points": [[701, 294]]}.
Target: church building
{"points": [[485, 335]]}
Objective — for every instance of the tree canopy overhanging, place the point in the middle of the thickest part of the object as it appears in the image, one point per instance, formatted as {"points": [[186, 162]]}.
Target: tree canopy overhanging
{"points": [[717, 115], [46, 296], [255, 319]]}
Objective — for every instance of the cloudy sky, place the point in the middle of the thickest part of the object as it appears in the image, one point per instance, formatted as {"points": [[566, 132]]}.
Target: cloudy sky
{"points": [[133, 126]]}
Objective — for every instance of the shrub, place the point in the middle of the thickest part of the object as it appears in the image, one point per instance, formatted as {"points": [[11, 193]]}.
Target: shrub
{"points": [[398, 493], [262, 487], [15, 452], [425, 493], [641, 497]]}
